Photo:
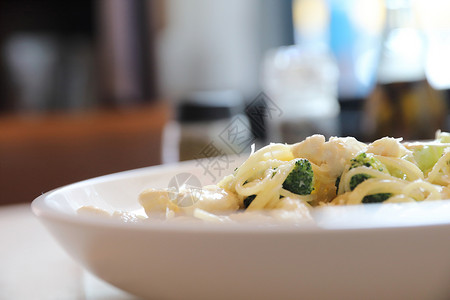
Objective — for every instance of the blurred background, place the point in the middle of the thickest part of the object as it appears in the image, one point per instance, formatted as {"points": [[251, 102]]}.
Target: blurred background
{"points": [[93, 87]]}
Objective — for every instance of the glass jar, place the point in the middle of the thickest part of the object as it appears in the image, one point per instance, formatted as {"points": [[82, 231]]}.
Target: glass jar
{"points": [[302, 82], [207, 124]]}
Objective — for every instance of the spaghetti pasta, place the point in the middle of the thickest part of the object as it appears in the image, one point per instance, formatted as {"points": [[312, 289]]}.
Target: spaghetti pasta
{"points": [[316, 172]]}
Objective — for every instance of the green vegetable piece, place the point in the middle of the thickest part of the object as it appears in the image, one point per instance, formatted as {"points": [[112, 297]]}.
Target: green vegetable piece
{"points": [[427, 156], [376, 198], [337, 182], [249, 200], [357, 179], [300, 179], [369, 161], [366, 160]]}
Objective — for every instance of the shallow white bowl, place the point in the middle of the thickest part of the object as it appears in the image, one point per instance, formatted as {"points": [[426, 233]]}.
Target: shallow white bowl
{"points": [[359, 252]]}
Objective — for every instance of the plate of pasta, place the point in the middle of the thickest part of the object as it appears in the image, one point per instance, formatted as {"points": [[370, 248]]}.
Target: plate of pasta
{"points": [[319, 219]]}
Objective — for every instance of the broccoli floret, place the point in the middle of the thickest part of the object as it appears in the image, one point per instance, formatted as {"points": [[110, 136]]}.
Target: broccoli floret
{"points": [[376, 198], [249, 200], [300, 180], [367, 160], [336, 183], [357, 179]]}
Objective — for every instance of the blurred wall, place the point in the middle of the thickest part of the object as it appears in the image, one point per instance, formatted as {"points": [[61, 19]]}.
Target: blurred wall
{"points": [[219, 44]]}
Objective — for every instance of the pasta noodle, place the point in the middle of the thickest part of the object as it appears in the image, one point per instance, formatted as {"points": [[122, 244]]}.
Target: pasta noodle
{"points": [[316, 172], [411, 171]]}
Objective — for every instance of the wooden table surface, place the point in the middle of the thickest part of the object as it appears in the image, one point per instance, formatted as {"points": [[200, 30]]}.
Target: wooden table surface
{"points": [[42, 152], [34, 266]]}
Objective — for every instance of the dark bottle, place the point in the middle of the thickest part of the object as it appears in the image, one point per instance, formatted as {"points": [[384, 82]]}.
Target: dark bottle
{"points": [[403, 104]]}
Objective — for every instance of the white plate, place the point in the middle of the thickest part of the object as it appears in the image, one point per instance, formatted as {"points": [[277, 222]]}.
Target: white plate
{"points": [[359, 252]]}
